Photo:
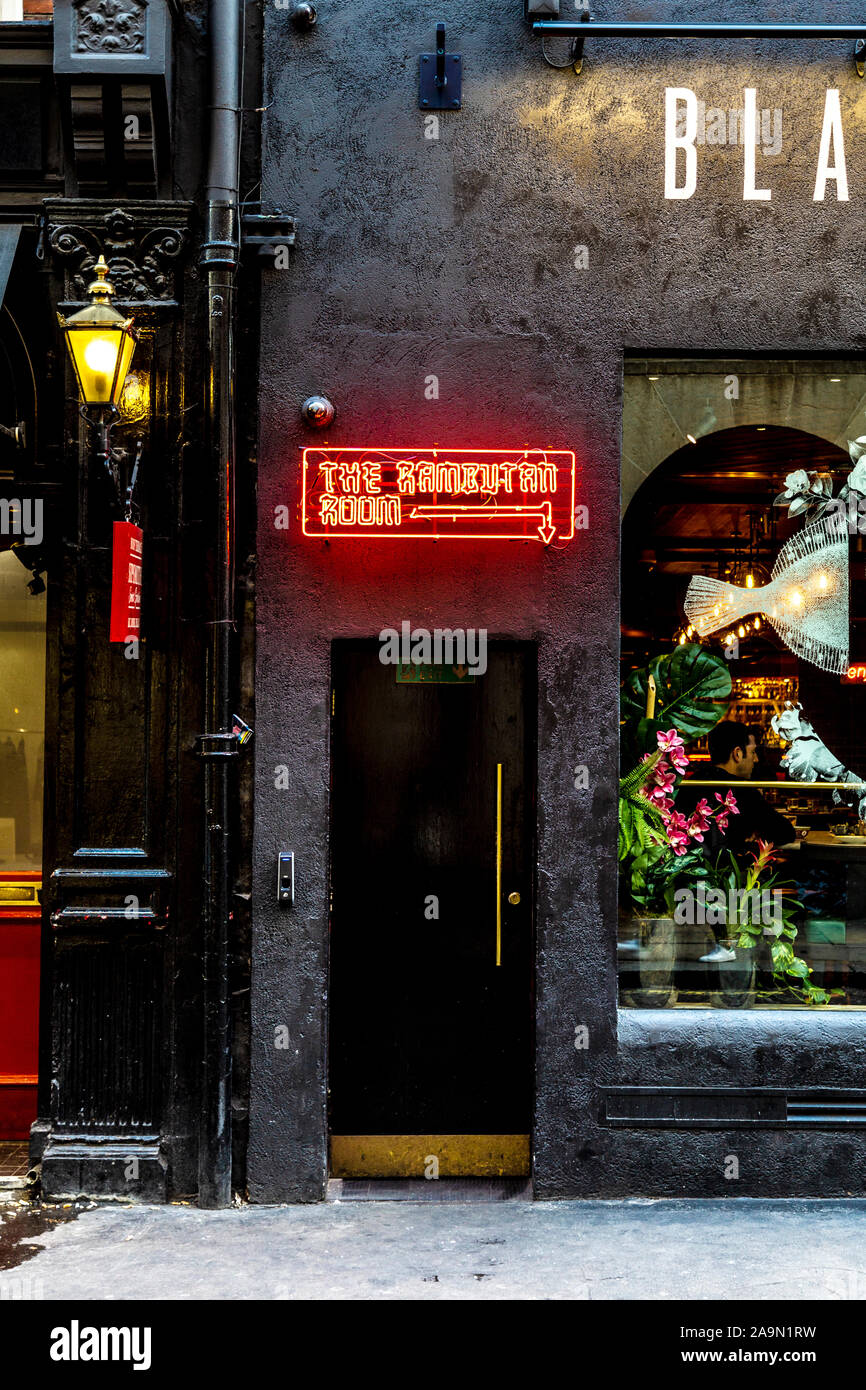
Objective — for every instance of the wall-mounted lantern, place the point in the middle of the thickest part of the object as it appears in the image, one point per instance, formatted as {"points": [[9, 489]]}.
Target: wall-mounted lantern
{"points": [[101, 344]]}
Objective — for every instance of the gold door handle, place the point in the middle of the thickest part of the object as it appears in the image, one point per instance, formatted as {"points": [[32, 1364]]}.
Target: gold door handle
{"points": [[514, 899], [498, 863]]}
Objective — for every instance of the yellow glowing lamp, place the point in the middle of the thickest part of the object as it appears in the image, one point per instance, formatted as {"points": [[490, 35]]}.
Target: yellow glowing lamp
{"points": [[101, 343]]}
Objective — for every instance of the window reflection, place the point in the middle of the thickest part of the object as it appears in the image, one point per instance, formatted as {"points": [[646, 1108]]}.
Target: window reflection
{"points": [[743, 849]]}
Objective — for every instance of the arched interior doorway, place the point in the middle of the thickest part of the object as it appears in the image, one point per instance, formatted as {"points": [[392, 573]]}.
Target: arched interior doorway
{"points": [[709, 509]]}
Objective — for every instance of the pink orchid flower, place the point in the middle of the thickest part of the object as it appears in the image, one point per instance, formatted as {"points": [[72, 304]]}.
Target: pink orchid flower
{"points": [[671, 744]]}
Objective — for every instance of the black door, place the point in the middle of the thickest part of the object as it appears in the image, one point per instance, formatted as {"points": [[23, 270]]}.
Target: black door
{"points": [[431, 921]]}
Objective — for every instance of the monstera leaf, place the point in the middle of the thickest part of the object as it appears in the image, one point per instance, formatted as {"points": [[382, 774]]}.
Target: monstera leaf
{"points": [[692, 689]]}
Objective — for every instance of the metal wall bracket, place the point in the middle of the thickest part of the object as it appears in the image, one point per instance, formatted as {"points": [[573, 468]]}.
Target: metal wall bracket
{"points": [[267, 228], [223, 745], [440, 86], [577, 46]]}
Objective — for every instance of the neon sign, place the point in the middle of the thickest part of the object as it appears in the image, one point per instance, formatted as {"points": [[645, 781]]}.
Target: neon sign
{"points": [[440, 493], [854, 675]]}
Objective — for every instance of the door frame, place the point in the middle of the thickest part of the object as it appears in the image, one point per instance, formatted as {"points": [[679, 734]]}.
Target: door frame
{"points": [[406, 1156]]}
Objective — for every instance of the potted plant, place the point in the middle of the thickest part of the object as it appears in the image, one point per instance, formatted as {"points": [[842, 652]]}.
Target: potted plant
{"points": [[756, 906], [661, 858], [678, 696]]}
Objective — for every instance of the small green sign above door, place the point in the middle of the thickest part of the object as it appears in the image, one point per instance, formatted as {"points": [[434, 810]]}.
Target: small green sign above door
{"points": [[429, 673]]}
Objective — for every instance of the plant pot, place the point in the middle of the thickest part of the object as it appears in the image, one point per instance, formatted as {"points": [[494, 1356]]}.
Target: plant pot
{"points": [[737, 980], [656, 964]]}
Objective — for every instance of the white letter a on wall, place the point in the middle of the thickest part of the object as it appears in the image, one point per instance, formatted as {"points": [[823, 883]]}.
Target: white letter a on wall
{"points": [[831, 132]]}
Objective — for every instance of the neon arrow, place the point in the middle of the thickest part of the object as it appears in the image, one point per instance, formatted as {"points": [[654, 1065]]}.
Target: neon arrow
{"points": [[546, 529]]}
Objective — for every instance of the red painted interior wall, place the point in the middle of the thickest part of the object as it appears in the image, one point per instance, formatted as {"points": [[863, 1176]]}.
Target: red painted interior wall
{"points": [[19, 1012]]}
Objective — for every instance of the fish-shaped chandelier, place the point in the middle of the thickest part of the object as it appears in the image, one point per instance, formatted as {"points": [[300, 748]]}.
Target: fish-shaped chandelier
{"points": [[806, 599]]}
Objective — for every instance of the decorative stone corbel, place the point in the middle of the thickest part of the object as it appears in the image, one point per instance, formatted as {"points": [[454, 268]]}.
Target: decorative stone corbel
{"points": [[143, 242]]}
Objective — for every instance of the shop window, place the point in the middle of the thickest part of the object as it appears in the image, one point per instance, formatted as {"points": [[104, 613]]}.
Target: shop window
{"points": [[22, 717], [743, 710]]}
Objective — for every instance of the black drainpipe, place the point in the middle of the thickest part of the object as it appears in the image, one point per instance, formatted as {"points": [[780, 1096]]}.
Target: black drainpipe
{"points": [[218, 746]]}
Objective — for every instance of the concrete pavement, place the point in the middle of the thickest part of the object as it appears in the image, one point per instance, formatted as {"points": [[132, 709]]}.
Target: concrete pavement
{"points": [[641, 1249]]}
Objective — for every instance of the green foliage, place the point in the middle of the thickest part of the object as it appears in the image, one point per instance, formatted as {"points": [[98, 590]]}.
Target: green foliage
{"points": [[651, 870], [693, 687], [692, 690], [640, 824], [729, 876], [657, 873]]}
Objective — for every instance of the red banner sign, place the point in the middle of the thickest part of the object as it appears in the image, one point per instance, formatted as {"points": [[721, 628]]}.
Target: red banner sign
{"points": [[126, 582], [469, 494]]}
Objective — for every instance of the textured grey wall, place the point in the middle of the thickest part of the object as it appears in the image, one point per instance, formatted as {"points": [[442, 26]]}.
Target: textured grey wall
{"points": [[456, 257]]}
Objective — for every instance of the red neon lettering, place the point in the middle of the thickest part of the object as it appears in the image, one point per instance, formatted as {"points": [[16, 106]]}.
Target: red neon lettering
{"points": [[329, 469], [372, 476], [504, 494], [350, 477], [328, 510]]}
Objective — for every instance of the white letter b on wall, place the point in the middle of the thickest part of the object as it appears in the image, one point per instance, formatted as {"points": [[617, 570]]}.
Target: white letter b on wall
{"points": [[674, 142]]}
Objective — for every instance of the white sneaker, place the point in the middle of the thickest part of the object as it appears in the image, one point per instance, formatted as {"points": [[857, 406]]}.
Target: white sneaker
{"points": [[719, 954]]}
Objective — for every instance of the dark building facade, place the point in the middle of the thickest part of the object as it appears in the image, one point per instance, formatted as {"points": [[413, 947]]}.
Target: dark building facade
{"points": [[550, 309], [511, 274], [106, 144]]}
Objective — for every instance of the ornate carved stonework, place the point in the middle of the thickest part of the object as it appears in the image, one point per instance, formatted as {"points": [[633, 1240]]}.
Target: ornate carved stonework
{"points": [[110, 26], [142, 243]]}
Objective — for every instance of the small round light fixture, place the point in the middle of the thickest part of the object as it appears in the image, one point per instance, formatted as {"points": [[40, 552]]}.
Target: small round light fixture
{"points": [[101, 343], [317, 411], [303, 15]]}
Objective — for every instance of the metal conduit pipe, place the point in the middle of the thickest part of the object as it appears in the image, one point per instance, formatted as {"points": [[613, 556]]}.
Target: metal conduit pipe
{"points": [[219, 261]]}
